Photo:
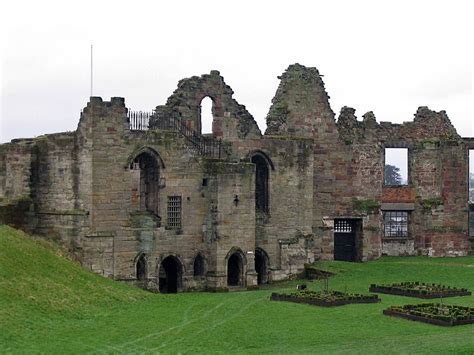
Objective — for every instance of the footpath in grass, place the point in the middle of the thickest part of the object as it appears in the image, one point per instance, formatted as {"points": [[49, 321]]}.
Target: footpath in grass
{"points": [[50, 304]]}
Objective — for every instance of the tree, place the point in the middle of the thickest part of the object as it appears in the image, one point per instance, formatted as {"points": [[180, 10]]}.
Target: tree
{"points": [[392, 175]]}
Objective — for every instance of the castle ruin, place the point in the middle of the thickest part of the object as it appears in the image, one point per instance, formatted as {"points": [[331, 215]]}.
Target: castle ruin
{"points": [[149, 199]]}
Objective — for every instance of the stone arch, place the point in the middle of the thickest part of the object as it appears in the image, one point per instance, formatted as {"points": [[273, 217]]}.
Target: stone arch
{"points": [[263, 155], [236, 267], [263, 165], [262, 266], [170, 275], [147, 150], [145, 165], [199, 265], [141, 267]]}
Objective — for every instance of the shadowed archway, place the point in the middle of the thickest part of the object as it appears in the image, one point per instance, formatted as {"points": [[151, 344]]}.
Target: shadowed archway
{"points": [[236, 269], [141, 268], [170, 275], [261, 266]]}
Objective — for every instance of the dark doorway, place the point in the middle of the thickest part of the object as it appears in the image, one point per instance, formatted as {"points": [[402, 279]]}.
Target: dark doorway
{"points": [[235, 270], [170, 275], [346, 237], [141, 268], [198, 266], [261, 183], [261, 266]]}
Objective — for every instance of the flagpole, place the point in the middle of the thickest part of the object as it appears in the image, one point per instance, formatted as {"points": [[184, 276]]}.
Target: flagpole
{"points": [[92, 73]]}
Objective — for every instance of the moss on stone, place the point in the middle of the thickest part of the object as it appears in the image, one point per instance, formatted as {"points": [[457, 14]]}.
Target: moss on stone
{"points": [[432, 202], [368, 206]]}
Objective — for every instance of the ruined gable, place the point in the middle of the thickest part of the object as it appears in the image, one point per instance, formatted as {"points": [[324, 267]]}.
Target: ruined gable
{"points": [[300, 106], [231, 119]]}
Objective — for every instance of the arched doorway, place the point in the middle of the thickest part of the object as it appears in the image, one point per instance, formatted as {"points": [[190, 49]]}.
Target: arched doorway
{"points": [[141, 268], [261, 266], [170, 275], [261, 183], [235, 270]]}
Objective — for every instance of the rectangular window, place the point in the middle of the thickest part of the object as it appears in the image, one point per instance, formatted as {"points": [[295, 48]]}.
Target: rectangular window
{"points": [[174, 212], [395, 224], [396, 166]]}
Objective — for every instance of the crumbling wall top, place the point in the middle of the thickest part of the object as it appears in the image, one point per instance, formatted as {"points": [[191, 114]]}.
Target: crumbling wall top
{"points": [[427, 124]]}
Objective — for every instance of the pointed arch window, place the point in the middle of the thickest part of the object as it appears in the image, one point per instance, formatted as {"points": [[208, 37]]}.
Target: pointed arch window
{"points": [[261, 183]]}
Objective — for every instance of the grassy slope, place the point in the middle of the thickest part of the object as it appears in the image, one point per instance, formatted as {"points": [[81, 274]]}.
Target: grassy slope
{"points": [[49, 304]]}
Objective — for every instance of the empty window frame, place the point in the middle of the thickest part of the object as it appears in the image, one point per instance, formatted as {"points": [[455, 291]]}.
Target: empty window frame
{"points": [[207, 116], [174, 212], [148, 185], [395, 224], [396, 167], [261, 183]]}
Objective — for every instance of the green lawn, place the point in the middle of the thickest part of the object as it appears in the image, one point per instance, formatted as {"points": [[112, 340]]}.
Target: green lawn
{"points": [[49, 304]]}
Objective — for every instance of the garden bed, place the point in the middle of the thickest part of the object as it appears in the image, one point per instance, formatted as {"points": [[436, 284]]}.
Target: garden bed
{"points": [[324, 299], [420, 290], [433, 313]]}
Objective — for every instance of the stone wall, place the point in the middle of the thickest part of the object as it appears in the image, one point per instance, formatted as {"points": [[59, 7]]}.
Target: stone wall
{"points": [[437, 185], [15, 182]]}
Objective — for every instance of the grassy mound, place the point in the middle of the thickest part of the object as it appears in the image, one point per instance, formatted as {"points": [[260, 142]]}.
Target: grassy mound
{"points": [[39, 285], [49, 304]]}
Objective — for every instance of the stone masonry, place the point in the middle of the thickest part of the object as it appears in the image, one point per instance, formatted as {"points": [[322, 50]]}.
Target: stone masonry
{"points": [[163, 206]]}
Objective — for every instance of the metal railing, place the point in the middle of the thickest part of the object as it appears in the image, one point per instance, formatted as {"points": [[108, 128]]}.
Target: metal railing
{"points": [[205, 146], [139, 120]]}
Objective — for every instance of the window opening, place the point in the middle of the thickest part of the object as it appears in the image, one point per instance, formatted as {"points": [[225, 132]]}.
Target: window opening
{"points": [[261, 183], [149, 182], [174, 212], [342, 226], [206, 115], [396, 224], [396, 166]]}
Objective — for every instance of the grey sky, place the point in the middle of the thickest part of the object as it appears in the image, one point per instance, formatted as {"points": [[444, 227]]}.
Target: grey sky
{"points": [[388, 57]]}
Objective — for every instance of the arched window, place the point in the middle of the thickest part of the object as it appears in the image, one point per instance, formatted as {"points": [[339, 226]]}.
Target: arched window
{"points": [[207, 116], [198, 266], [141, 268], [148, 186], [261, 183]]}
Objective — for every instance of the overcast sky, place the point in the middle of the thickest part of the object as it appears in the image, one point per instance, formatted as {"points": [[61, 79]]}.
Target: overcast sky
{"points": [[388, 57]]}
